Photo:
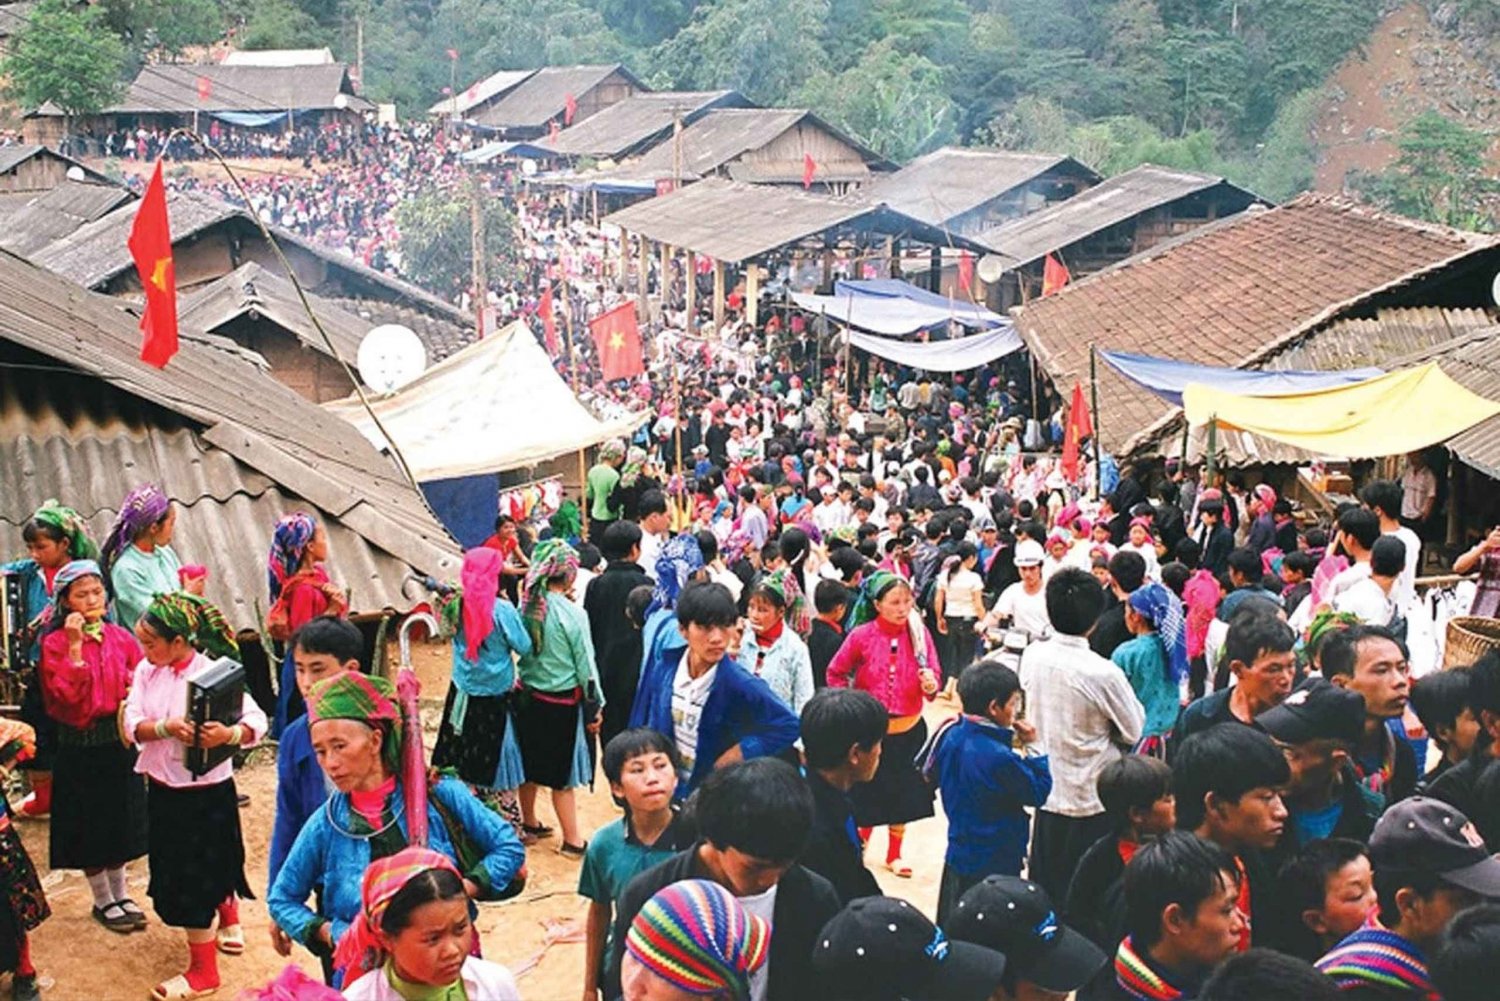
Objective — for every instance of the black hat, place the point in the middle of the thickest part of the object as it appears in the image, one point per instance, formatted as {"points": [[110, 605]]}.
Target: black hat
{"points": [[882, 947], [1016, 917], [1316, 710], [1427, 835]]}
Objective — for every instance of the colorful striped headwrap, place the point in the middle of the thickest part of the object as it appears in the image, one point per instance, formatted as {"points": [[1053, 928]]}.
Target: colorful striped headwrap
{"points": [[143, 507], [359, 950], [1163, 609], [70, 524], [698, 938], [552, 558], [481, 586], [196, 620], [783, 583], [1325, 622], [288, 545], [364, 698]]}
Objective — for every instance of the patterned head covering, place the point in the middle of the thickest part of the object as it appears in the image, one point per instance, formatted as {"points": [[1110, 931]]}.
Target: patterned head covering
{"points": [[1325, 622], [1163, 609], [635, 461], [481, 586], [680, 558], [71, 572], [288, 545], [567, 523], [196, 620], [364, 698], [1266, 494], [70, 524], [734, 549], [17, 742], [872, 590], [143, 507], [698, 938], [359, 949], [783, 583], [550, 559], [612, 450]]}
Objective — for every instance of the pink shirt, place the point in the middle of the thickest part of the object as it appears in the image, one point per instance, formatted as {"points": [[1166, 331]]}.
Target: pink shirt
{"points": [[162, 693], [77, 696], [866, 656]]}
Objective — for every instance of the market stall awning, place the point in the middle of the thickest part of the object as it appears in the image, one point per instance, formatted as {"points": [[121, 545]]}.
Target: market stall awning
{"points": [[1167, 378], [498, 404], [968, 313], [895, 308], [957, 355], [1388, 415]]}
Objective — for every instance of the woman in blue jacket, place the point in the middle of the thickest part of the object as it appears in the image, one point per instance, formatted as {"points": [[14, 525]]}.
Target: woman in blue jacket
{"points": [[714, 710], [356, 730]]}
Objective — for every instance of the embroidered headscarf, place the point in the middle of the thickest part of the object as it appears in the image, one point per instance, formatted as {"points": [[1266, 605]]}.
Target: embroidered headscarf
{"points": [[567, 523], [359, 950], [635, 461], [873, 588], [17, 742], [288, 545], [680, 558], [196, 620], [783, 583], [1325, 622], [552, 558], [1266, 494], [143, 507], [697, 937], [365, 698], [1163, 609], [481, 586], [612, 450], [70, 524], [71, 572]]}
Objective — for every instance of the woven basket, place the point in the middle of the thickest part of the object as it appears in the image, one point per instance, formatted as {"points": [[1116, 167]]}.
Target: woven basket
{"points": [[1469, 638]]}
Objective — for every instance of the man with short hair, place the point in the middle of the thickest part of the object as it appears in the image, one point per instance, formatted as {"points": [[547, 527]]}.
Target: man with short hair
{"points": [[1086, 715], [1384, 497], [1418, 492], [1127, 573], [656, 529], [1370, 660], [617, 641], [1372, 599], [1259, 649], [842, 734], [1245, 577]]}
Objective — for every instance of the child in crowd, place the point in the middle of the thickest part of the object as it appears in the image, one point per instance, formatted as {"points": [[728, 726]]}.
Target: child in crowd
{"points": [[842, 734], [23, 903], [300, 592], [197, 854], [641, 767], [1441, 702], [1323, 894], [1467, 964], [414, 937], [773, 649], [1297, 569], [1261, 974], [1156, 661], [989, 769], [1137, 795], [831, 602], [694, 939], [1140, 541], [1015, 917]]}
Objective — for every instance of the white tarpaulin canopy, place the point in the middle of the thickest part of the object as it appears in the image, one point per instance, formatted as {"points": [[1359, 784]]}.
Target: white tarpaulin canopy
{"points": [[894, 314], [496, 405], [958, 355]]}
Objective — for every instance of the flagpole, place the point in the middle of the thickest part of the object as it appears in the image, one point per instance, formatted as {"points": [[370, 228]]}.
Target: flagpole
{"points": [[1098, 423], [583, 476]]}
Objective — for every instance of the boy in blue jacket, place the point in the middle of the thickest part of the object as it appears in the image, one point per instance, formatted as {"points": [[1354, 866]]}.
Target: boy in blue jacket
{"points": [[989, 768], [714, 710]]}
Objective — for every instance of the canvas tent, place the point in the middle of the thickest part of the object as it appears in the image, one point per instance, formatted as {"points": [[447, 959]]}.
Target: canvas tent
{"points": [[959, 354], [895, 308]]}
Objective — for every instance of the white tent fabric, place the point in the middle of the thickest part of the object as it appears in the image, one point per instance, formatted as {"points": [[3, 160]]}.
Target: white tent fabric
{"points": [[496, 405], [888, 315], [958, 355]]}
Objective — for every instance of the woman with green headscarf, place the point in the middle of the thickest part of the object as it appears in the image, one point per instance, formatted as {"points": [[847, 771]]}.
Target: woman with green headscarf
{"points": [[561, 683]]}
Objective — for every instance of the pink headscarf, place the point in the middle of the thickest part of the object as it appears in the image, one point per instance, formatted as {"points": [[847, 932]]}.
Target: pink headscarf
{"points": [[481, 584], [1266, 494]]}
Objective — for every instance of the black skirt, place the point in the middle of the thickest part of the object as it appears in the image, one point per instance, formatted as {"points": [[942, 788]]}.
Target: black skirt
{"points": [[34, 713], [548, 734], [197, 853], [475, 753], [99, 802], [898, 794]]}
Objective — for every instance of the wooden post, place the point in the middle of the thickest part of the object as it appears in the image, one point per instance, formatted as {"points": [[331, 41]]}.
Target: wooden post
{"points": [[624, 261], [664, 283], [583, 494], [890, 258], [752, 294], [827, 269], [644, 285], [692, 292], [718, 296]]}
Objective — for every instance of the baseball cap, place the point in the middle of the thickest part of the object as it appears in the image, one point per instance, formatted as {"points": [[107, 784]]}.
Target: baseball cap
{"points": [[1421, 834], [1316, 710], [883, 947], [1029, 554], [1016, 917]]}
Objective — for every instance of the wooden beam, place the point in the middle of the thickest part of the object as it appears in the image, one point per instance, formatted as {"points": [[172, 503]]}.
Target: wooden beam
{"points": [[644, 276], [692, 292], [624, 261], [664, 284], [752, 294], [718, 295]]}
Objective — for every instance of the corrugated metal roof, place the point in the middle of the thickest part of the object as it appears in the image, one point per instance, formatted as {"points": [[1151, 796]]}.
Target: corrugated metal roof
{"points": [[279, 57], [940, 186], [170, 88], [252, 288], [50, 216], [95, 252], [1113, 201], [731, 221], [479, 92], [1475, 365], [543, 95], [726, 133], [234, 412], [12, 155], [628, 126]]}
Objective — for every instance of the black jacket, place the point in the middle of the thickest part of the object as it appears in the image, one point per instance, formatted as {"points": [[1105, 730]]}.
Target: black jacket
{"points": [[1095, 904], [822, 643], [1109, 632], [834, 851], [617, 643], [1473, 786], [805, 902]]}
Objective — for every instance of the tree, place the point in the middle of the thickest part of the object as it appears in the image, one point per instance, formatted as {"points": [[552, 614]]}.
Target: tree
{"points": [[174, 25], [765, 49], [68, 56], [1439, 174], [436, 235], [645, 22], [896, 104], [280, 24]]}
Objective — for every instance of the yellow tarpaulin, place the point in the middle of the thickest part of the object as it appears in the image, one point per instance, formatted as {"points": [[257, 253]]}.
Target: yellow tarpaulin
{"points": [[1387, 415]]}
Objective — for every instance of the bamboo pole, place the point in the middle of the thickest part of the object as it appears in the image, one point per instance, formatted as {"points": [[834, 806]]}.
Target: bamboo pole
{"points": [[718, 297], [1094, 394], [752, 294]]}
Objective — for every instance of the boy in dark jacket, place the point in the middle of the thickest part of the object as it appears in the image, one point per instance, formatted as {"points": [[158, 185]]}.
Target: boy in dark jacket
{"points": [[831, 600], [842, 733]]}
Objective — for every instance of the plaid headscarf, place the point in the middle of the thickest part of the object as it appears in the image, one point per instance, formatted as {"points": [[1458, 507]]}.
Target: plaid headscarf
{"points": [[288, 545], [680, 558], [359, 949], [143, 507], [365, 698], [1325, 622], [551, 558], [196, 620], [1163, 609], [698, 938], [783, 583], [70, 524]]}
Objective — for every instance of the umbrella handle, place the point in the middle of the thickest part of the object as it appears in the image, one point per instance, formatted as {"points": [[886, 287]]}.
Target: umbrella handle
{"points": [[414, 763]]}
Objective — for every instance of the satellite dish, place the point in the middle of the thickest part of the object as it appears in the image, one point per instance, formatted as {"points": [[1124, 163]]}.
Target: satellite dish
{"points": [[528, 167], [341, 101], [990, 268], [1495, 289], [75, 173], [390, 356]]}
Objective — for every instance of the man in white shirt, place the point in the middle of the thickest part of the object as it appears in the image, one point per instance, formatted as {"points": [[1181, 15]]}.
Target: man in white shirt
{"points": [[1086, 715], [1023, 605], [1385, 498], [1418, 490], [831, 512], [1372, 599], [655, 529]]}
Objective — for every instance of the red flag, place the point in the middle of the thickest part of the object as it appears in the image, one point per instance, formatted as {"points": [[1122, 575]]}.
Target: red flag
{"points": [[549, 326], [205, 88], [570, 109], [618, 341], [150, 246], [809, 168], [1079, 427], [966, 272], [453, 54], [1054, 275]]}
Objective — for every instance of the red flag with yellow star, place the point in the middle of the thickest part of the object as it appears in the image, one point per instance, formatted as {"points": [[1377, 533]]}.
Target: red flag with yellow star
{"points": [[150, 246], [618, 341], [1079, 427]]}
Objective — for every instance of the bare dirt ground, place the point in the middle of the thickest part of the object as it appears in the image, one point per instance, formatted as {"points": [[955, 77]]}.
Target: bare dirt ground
{"points": [[81, 961]]}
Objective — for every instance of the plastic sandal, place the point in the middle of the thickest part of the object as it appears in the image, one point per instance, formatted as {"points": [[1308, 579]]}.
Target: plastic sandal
{"points": [[231, 940], [178, 989], [572, 851], [899, 868]]}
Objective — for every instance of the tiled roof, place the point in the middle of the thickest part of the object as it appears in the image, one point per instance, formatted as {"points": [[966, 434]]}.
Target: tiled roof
{"points": [[633, 123]]}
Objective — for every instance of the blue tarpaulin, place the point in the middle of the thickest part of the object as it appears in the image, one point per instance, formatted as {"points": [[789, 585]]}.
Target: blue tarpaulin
{"points": [[960, 354], [250, 119], [466, 505], [1167, 378]]}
